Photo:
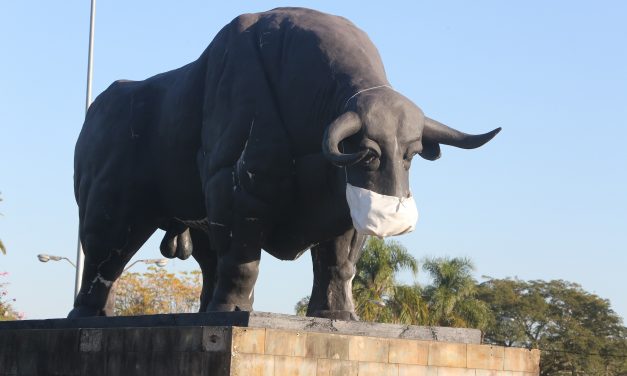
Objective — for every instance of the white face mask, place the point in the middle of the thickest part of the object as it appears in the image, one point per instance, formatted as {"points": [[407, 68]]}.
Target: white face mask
{"points": [[381, 215]]}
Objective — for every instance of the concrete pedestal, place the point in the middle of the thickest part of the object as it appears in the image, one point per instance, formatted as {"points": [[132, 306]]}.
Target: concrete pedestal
{"points": [[243, 343]]}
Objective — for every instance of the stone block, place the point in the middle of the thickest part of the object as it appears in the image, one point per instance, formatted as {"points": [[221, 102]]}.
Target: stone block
{"points": [[190, 345], [294, 365], [32, 341], [248, 340], [522, 360], [506, 373], [114, 340], [252, 365], [54, 363], [447, 354], [138, 339], [485, 357], [377, 369], [61, 339], [333, 367], [451, 371], [489, 372], [416, 370], [7, 339], [217, 364], [27, 364], [408, 351], [183, 339], [140, 363], [216, 339], [191, 363], [328, 346], [169, 363], [368, 349], [8, 361], [93, 364], [90, 340], [114, 364], [284, 342]]}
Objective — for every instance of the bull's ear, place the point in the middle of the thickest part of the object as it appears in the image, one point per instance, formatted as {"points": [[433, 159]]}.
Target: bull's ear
{"points": [[430, 150]]}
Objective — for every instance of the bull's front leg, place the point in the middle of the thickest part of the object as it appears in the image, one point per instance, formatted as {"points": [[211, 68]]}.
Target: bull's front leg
{"points": [[334, 264], [238, 269], [236, 230]]}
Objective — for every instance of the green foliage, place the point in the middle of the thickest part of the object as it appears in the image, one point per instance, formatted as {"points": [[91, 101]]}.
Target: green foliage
{"points": [[452, 296], [2, 247], [374, 285], [7, 312], [407, 305], [450, 300], [157, 291], [577, 331], [301, 307]]}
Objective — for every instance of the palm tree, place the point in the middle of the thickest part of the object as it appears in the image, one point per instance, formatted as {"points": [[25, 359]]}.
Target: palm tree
{"points": [[374, 286], [408, 305], [452, 297]]}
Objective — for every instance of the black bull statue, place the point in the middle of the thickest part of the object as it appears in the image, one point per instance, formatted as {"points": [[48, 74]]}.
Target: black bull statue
{"points": [[258, 144]]}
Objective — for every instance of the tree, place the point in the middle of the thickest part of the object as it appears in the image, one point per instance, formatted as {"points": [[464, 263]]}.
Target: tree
{"points": [[452, 296], [7, 312], [577, 332], [157, 291], [408, 306], [301, 307], [379, 297], [374, 286]]}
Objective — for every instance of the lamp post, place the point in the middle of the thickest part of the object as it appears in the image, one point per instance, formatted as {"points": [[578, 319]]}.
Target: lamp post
{"points": [[80, 256], [159, 262], [43, 257]]}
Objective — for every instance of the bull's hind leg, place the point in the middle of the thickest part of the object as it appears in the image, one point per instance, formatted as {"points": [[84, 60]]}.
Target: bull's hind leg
{"points": [[103, 265], [334, 264]]}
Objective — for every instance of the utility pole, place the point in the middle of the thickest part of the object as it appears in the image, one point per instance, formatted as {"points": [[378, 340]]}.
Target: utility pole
{"points": [[80, 256]]}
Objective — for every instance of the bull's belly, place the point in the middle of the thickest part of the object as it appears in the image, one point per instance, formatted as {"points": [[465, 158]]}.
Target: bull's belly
{"points": [[307, 227]]}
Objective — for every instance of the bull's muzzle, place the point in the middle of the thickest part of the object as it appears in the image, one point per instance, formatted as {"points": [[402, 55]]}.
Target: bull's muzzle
{"points": [[380, 215]]}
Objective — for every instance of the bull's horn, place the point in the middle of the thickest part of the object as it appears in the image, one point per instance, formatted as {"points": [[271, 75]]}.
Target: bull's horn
{"points": [[343, 127], [437, 132]]}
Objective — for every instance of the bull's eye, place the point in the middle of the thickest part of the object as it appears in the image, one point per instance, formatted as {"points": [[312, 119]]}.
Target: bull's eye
{"points": [[371, 161]]}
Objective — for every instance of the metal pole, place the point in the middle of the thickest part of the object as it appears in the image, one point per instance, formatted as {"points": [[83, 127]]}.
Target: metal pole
{"points": [[80, 257]]}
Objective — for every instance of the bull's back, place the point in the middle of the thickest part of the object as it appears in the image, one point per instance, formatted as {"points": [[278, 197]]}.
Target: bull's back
{"points": [[139, 142]]}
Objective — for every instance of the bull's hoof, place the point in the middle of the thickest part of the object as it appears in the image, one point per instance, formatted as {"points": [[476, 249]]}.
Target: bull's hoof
{"points": [[79, 312], [336, 315]]}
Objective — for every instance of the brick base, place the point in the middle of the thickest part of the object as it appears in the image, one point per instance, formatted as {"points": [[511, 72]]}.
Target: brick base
{"points": [[273, 347]]}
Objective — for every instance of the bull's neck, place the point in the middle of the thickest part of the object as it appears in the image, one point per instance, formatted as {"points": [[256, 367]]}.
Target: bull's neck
{"points": [[348, 93]]}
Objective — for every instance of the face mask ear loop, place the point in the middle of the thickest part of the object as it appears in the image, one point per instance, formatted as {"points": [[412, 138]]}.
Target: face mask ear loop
{"points": [[345, 172]]}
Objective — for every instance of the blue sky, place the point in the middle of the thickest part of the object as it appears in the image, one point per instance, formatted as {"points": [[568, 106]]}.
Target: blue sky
{"points": [[547, 199]]}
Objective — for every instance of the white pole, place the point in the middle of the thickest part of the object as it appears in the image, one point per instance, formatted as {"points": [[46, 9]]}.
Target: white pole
{"points": [[80, 257]]}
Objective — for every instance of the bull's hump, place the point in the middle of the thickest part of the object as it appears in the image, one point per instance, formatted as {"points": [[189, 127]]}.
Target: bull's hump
{"points": [[345, 46]]}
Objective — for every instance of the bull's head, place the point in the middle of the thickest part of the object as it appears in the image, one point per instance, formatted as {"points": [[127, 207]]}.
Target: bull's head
{"points": [[375, 140]]}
